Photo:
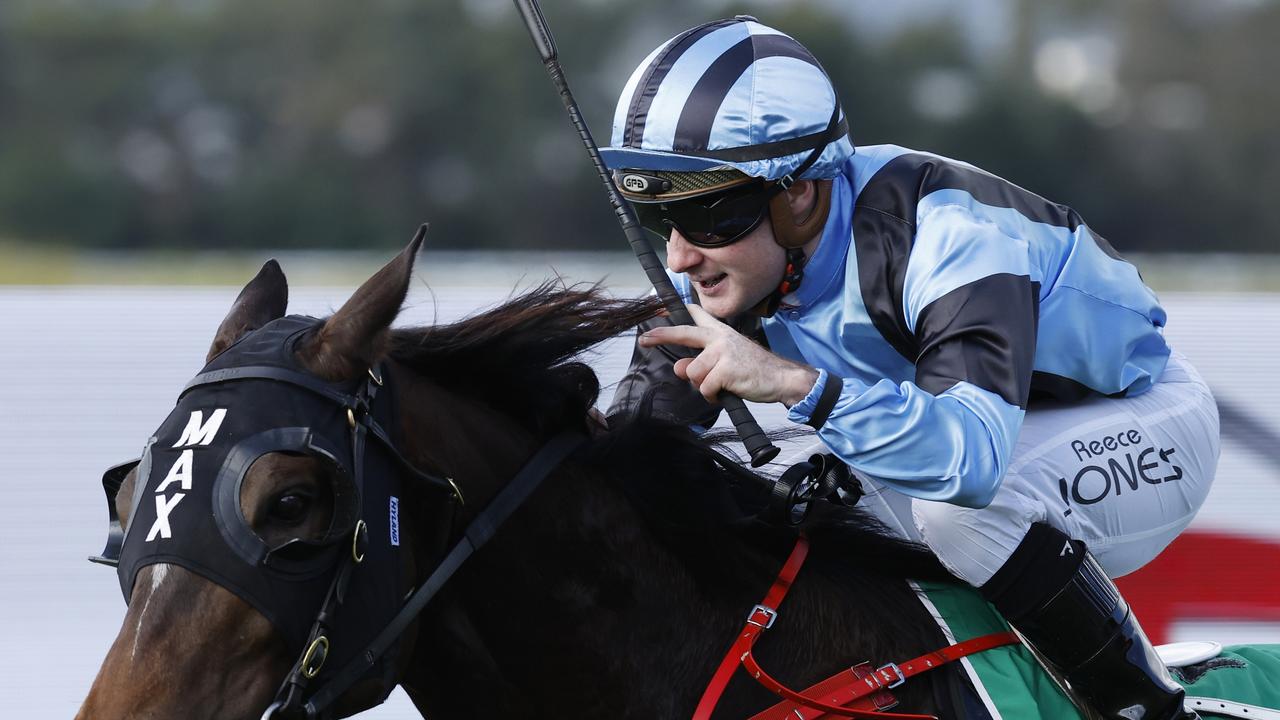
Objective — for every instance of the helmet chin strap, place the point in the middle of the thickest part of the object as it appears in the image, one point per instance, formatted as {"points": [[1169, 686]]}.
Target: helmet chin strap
{"points": [[790, 281], [793, 236]]}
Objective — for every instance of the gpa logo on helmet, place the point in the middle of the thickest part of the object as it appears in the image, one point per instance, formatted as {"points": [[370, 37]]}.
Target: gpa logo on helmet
{"points": [[636, 183]]}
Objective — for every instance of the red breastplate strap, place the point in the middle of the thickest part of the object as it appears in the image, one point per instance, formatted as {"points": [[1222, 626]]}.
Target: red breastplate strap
{"points": [[859, 692]]}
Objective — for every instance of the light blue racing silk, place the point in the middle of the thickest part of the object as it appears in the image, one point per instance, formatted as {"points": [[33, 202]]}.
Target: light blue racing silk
{"points": [[940, 301]]}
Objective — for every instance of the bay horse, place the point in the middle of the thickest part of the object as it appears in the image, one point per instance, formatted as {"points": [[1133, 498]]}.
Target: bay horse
{"points": [[612, 592]]}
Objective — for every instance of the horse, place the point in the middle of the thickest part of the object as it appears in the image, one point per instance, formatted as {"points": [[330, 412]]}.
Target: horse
{"points": [[613, 591]]}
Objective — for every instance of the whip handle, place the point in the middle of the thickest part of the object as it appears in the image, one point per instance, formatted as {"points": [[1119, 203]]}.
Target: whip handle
{"points": [[756, 442]]}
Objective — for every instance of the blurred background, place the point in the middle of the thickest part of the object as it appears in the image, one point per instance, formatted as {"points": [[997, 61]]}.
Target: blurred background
{"points": [[154, 152], [213, 124]]}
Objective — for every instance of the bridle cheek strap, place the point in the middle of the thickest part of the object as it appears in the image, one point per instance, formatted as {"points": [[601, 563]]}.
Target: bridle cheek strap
{"points": [[859, 692], [480, 530]]}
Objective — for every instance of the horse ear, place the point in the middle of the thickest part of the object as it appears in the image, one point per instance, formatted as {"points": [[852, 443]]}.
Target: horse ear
{"points": [[262, 300], [355, 337]]}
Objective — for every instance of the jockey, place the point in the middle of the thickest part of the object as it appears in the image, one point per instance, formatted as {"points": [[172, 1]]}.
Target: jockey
{"points": [[990, 368]]}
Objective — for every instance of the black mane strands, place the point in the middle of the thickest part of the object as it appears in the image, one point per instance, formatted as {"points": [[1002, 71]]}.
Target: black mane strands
{"points": [[519, 356]]}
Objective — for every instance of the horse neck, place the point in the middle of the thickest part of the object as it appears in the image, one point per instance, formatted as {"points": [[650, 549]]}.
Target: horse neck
{"points": [[579, 608]]}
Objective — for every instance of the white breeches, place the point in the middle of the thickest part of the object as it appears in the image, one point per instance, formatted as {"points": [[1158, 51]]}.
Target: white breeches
{"points": [[1124, 475]]}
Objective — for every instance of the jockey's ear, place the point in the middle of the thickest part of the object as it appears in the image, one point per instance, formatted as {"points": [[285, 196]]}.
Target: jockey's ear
{"points": [[262, 300], [799, 214], [355, 337]]}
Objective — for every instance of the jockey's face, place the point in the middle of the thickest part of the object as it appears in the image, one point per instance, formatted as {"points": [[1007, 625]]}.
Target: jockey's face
{"points": [[733, 278]]}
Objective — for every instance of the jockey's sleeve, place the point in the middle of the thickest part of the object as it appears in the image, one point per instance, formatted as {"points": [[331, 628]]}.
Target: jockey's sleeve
{"points": [[972, 307]]}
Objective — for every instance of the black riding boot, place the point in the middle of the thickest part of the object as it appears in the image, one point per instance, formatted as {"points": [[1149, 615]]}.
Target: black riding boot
{"points": [[1055, 594]]}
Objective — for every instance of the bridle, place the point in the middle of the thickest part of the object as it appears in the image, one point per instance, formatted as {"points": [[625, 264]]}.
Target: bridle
{"points": [[344, 552], [479, 531], [291, 699]]}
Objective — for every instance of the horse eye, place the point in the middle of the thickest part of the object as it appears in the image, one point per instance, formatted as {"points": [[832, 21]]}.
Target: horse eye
{"points": [[290, 508]]}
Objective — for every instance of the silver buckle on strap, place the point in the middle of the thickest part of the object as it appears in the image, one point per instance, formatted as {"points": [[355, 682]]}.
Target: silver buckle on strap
{"points": [[882, 675], [768, 612]]}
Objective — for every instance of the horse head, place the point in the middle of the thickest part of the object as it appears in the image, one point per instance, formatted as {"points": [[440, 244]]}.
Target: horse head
{"points": [[202, 637]]}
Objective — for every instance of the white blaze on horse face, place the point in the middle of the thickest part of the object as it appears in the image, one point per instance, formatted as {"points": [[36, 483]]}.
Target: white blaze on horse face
{"points": [[180, 472], [199, 432], [158, 571], [164, 506]]}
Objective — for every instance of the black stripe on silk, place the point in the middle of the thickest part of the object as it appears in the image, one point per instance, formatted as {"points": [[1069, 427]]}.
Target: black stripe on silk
{"points": [[1105, 246], [1047, 387], [647, 88], [826, 402], [982, 333], [883, 242], [693, 130], [884, 229], [778, 148]]}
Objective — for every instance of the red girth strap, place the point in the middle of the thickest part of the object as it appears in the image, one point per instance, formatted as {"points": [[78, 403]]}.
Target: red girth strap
{"points": [[861, 686]]}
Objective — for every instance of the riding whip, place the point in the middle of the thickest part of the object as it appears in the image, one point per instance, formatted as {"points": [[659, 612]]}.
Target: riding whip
{"points": [[756, 442]]}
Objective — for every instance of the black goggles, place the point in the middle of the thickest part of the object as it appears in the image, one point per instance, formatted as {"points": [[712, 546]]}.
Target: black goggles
{"points": [[712, 220]]}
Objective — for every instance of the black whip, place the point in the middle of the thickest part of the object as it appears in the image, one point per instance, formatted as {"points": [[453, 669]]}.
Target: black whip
{"points": [[756, 442]]}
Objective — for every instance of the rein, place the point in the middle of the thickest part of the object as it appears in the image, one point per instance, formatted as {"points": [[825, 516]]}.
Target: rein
{"points": [[863, 687]]}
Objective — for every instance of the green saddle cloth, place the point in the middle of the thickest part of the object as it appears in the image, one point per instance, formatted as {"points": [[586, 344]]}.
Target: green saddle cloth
{"points": [[1247, 674], [1013, 685]]}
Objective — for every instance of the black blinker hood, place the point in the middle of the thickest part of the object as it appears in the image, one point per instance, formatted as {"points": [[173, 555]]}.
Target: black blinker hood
{"points": [[253, 399]]}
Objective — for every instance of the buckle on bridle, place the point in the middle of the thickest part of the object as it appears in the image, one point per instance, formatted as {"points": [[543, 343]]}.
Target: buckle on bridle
{"points": [[314, 659], [359, 541], [770, 615]]}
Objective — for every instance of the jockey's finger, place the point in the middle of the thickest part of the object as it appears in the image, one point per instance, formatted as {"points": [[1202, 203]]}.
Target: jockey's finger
{"points": [[681, 368], [697, 368], [712, 384], [704, 319], [686, 335]]}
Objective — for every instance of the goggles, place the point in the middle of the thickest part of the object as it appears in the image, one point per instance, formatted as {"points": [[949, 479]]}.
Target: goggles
{"points": [[719, 217], [712, 220]]}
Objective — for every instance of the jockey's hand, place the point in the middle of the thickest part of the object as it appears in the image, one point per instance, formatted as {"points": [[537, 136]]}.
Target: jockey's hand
{"points": [[731, 362]]}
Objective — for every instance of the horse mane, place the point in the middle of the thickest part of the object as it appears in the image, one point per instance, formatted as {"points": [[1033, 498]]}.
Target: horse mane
{"points": [[520, 357]]}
